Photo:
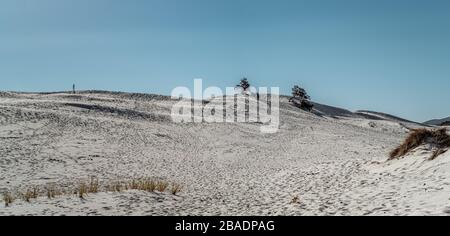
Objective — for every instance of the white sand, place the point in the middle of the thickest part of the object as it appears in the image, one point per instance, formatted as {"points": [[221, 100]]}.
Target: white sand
{"points": [[334, 166]]}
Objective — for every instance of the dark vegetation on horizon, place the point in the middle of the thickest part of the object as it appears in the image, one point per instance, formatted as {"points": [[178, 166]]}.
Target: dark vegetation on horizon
{"points": [[445, 123], [300, 97]]}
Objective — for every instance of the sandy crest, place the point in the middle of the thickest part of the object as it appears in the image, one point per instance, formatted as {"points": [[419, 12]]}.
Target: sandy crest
{"points": [[225, 169]]}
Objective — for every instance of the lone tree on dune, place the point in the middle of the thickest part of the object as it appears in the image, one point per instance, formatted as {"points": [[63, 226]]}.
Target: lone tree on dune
{"points": [[244, 84], [301, 99], [299, 93]]}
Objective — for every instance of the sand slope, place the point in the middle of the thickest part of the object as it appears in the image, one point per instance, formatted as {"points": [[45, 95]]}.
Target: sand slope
{"points": [[334, 164]]}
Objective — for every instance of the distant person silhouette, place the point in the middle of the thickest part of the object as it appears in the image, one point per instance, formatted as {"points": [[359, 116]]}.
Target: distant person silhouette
{"points": [[73, 88]]}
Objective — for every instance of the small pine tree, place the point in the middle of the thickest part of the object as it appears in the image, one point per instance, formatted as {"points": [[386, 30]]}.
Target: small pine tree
{"points": [[301, 98], [300, 93], [244, 84]]}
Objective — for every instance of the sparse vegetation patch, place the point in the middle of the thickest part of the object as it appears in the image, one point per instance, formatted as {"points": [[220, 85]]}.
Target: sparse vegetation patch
{"points": [[93, 186], [31, 193], [439, 139], [8, 198], [176, 188]]}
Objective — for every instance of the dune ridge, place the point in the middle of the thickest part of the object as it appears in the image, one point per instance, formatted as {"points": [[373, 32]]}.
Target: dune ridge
{"points": [[329, 162]]}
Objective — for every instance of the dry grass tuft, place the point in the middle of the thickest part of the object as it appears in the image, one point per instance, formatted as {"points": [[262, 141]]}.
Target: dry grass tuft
{"points": [[437, 153], [417, 137], [93, 185], [161, 186], [117, 187], [134, 184], [32, 193], [82, 190], [175, 188], [295, 200], [53, 192], [147, 185], [8, 199]]}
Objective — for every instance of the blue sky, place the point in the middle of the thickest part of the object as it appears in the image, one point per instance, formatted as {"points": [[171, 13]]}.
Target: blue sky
{"points": [[386, 55]]}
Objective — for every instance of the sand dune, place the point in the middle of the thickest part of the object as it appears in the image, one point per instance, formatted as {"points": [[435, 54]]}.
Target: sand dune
{"points": [[438, 121], [334, 160]]}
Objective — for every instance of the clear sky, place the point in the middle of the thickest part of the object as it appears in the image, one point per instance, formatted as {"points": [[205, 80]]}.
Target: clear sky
{"points": [[385, 55]]}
